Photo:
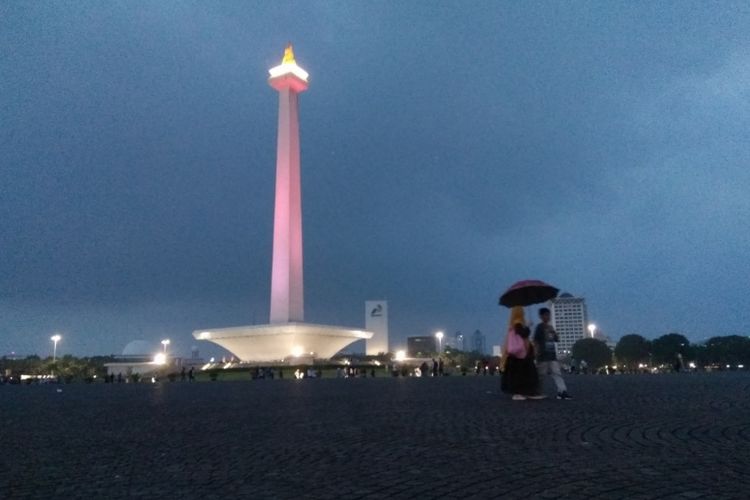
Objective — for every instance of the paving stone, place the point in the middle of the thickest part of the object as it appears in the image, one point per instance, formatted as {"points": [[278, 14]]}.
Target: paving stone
{"points": [[640, 436]]}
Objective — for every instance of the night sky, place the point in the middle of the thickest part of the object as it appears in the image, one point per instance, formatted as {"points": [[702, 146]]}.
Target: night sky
{"points": [[448, 150]]}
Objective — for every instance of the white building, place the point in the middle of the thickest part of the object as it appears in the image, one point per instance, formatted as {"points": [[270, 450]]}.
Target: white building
{"points": [[569, 320]]}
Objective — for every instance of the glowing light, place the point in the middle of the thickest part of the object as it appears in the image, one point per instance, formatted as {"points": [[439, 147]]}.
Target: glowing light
{"points": [[165, 343], [691, 365], [592, 329], [740, 366], [205, 335], [400, 355], [55, 339], [297, 351], [160, 359]]}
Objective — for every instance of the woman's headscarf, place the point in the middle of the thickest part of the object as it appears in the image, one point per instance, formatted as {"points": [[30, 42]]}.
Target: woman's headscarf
{"points": [[516, 316]]}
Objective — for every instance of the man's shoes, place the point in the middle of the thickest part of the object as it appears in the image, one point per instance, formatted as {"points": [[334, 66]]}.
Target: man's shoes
{"points": [[563, 395], [519, 397]]}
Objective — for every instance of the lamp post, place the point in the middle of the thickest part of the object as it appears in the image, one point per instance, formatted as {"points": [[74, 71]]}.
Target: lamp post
{"points": [[165, 343], [55, 339], [592, 329], [439, 337]]}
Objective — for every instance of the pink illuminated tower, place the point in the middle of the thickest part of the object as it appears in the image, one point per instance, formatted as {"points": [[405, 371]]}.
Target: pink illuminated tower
{"points": [[287, 338], [287, 302]]}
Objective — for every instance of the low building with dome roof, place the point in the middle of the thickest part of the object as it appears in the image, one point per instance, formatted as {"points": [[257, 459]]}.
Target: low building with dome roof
{"points": [[140, 357]]}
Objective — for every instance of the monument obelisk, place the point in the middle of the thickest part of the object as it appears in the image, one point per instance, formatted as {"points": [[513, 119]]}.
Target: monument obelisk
{"points": [[287, 338], [287, 301]]}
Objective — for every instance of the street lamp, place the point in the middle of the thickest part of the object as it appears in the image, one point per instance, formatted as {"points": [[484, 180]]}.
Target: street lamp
{"points": [[592, 329], [55, 339], [439, 337], [165, 343]]}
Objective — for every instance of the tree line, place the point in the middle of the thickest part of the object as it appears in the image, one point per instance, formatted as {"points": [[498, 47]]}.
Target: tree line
{"points": [[633, 351], [67, 367]]}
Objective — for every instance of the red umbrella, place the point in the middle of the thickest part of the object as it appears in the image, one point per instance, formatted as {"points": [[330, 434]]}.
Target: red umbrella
{"points": [[525, 293]]}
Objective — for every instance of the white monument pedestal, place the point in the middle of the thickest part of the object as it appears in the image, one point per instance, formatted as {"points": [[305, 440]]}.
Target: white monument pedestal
{"points": [[282, 342]]}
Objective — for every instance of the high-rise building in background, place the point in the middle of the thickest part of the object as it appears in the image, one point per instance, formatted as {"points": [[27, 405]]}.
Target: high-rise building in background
{"points": [[478, 342], [569, 319], [455, 341]]}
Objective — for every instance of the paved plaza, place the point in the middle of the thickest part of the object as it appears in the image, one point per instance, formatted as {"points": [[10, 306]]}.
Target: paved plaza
{"points": [[637, 436]]}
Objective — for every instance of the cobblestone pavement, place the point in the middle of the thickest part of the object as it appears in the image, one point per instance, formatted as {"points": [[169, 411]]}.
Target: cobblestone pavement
{"points": [[669, 436]]}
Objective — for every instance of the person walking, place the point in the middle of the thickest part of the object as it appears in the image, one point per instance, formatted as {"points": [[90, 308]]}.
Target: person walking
{"points": [[520, 376], [545, 339]]}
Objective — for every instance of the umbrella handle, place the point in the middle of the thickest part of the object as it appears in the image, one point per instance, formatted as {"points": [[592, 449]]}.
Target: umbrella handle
{"points": [[529, 322]]}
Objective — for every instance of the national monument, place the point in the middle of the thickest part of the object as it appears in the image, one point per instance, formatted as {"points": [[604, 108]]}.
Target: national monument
{"points": [[286, 337]]}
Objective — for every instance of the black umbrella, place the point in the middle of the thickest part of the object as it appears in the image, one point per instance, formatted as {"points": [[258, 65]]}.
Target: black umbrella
{"points": [[528, 292]]}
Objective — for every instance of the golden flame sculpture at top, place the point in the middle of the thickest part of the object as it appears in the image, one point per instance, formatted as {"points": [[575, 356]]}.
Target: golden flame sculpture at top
{"points": [[288, 55]]}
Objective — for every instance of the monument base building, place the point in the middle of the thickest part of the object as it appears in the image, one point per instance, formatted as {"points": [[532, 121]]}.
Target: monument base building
{"points": [[284, 342]]}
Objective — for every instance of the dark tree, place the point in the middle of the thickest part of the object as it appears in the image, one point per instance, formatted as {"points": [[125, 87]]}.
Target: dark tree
{"points": [[593, 351], [729, 350], [632, 349], [666, 348]]}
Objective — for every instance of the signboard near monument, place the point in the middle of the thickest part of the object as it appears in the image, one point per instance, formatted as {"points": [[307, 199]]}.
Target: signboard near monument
{"points": [[376, 321]]}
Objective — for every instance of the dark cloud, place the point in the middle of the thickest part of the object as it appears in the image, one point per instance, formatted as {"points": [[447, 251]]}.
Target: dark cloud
{"points": [[448, 150]]}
